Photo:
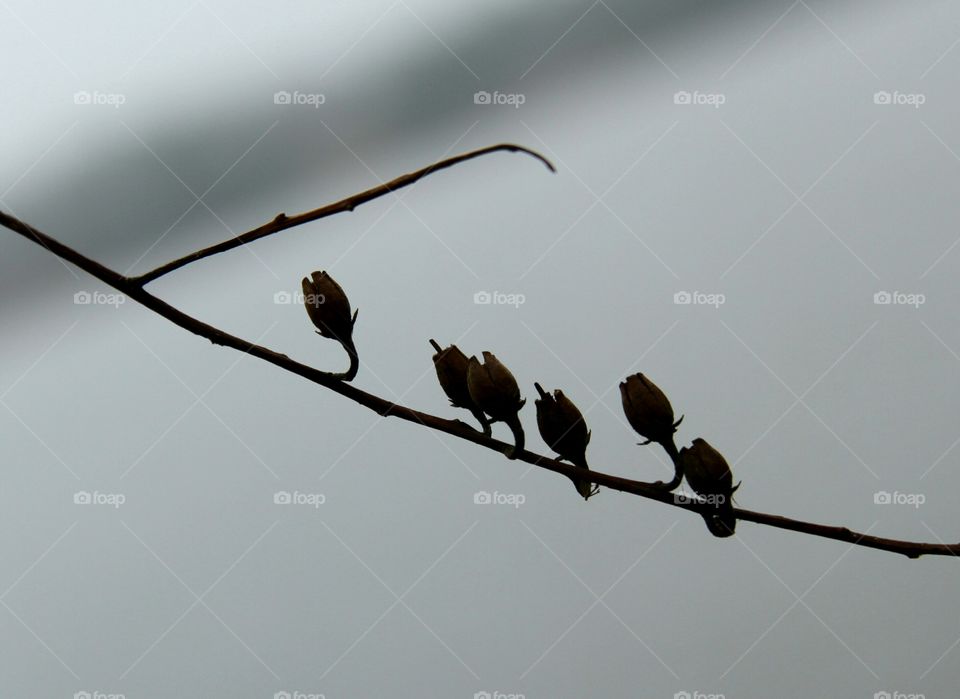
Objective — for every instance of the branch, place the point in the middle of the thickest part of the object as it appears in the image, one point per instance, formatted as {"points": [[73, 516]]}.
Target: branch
{"points": [[282, 222], [133, 288]]}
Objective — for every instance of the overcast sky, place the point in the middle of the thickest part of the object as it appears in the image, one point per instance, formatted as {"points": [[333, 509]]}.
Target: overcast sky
{"points": [[755, 205]]}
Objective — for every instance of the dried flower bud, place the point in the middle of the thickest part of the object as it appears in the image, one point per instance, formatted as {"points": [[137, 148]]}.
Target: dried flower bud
{"points": [[563, 428], [329, 310], [647, 409], [328, 307], [562, 425], [709, 475], [706, 470], [493, 388], [451, 366]]}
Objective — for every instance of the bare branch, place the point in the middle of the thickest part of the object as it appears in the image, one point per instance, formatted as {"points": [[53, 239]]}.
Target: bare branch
{"points": [[282, 222]]}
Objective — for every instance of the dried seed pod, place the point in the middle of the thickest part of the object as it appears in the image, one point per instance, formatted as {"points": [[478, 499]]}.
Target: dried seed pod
{"points": [[648, 409], [709, 475], [563, 428], [451, 366], [329, 310], [494, 390]]}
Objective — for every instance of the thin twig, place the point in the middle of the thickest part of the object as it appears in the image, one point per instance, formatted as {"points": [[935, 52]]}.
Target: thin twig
{"points": [[282, 222]]}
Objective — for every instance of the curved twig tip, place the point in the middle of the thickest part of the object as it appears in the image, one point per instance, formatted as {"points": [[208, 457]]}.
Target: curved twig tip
{"points": [[521, 149]]}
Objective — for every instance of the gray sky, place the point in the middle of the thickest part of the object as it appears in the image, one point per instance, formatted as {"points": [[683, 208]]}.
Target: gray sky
{"points": [[786, 167]]}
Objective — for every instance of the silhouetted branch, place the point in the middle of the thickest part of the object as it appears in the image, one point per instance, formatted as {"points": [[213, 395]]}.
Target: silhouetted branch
{"points": [[133, 287]]}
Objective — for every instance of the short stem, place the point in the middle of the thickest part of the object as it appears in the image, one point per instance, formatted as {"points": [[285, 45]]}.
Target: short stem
{"points": [[484, 422], [671, 448], [584, 486], [351, 373], [518, 439]]}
